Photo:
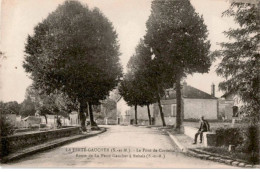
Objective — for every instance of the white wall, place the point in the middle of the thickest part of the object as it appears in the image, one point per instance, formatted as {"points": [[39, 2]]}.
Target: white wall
{"points": [[122, 107], [168, 120], [142, 112], [194, 108]]}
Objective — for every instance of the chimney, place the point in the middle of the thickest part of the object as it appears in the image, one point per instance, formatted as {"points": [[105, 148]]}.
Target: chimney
{"points": [[213, 89]]}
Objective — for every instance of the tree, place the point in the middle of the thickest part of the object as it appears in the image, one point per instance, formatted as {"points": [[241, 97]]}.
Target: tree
{"points": [[27, 108], [128, 91], [240, 57], [12, 107], [52, 104], [150, 77], [75, 51], [177, 35]]}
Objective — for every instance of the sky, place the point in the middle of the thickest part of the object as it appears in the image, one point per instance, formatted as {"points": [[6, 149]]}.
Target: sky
{"points": [[19, 17]]}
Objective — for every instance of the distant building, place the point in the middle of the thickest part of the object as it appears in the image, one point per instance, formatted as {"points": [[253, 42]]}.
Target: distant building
{"points": [[195, 103], [229, 105], [123, 115], [142, 115], [74, 119]]}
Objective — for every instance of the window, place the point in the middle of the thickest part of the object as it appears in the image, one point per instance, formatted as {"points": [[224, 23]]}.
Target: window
{"points": [[173, 110]]}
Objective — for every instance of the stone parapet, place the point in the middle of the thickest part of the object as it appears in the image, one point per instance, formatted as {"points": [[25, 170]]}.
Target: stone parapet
{"points": [[15, 143], [209, 138]]}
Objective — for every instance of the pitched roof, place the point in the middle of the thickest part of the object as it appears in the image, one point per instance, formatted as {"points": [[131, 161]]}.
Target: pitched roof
{"points": [[188, 92]]}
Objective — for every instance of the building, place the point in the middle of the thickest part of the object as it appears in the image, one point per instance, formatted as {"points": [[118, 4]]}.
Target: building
{"points": [[229, 105], [123, 114], [195, 103], [142, 115]]}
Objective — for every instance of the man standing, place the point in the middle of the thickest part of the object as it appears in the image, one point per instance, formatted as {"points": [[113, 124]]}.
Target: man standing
{"points": [[204, 127]]}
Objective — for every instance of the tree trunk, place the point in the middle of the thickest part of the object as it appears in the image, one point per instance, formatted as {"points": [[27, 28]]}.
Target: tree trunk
{"points": [[91, 116], [149, 115], [136, 114], [160, 108], [45, 116], [178, 101], [82, 116], [93, 124]]}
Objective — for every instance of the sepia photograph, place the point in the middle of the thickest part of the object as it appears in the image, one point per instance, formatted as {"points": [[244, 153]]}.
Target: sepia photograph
{"points": [[147, 84]]}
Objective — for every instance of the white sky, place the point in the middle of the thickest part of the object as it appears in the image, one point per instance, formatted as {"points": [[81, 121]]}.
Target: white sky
{"points": [[19, 17]]}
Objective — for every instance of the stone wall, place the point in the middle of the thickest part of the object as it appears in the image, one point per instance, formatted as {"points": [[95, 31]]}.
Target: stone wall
{"points": [[209, 138], [14, 143]]}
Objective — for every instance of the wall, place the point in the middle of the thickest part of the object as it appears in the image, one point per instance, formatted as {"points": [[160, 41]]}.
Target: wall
{"points": [[142, 112], [122, 108], [74, 118], [209, 138], [169, 111], [14, 143], [168, 120], [194, 108], [226, 108]]}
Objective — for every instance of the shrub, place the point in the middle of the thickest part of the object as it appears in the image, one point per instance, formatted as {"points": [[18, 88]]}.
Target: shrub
{"points": [[245, 139], [6, 127], [228, 136]]}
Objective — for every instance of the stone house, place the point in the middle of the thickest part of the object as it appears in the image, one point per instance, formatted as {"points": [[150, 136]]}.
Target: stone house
{"points": [[195, 103], [142, 115], [229, 105]]}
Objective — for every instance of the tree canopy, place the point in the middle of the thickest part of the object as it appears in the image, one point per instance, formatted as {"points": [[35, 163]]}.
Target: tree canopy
{"points": [[74, 50], [177, 36], [27, 108], [53, 104], [240, 62], [12, 107]]}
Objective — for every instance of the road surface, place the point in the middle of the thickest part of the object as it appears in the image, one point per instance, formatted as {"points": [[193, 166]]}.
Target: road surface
{"points": [[120, 146]]}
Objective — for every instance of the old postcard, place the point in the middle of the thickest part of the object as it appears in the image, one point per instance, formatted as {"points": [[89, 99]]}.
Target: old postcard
{"points": [[130, 83]]}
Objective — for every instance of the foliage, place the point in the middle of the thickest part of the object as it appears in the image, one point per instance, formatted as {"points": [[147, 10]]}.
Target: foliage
{"points": [[27, 108], [74, 50], [149, 77], [177, 36], [53, 103], [176, 33], [6, 127], [107, 109], [150, 73], [11, 107], [227, 136], [128, 91], [246, 140], [240, 57]]}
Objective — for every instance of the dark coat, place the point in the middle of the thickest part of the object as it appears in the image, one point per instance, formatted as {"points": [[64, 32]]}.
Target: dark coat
{"points": [[204, 126]]}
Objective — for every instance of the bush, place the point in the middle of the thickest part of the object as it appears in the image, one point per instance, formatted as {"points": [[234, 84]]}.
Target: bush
{"points": [[245, 139], [228, 136], [6, 127]]}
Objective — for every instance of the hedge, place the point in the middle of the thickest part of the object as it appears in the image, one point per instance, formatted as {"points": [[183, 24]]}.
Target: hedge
{"points": [[245, 140]]}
